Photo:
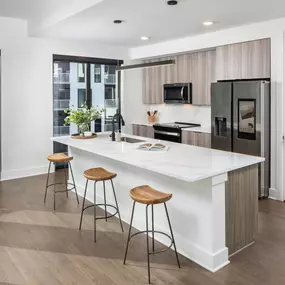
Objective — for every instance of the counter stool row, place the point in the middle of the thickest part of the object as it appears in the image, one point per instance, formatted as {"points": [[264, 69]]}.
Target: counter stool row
{"points": [[143, 194]]}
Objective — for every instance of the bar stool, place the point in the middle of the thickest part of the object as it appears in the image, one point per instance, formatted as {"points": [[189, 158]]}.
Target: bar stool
{"points": [[97, 175], [149, 196], [63, 158]]}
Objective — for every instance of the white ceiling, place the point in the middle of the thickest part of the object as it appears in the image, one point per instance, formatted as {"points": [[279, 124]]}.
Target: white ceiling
{"points": [[27, 9], [151, 18]]}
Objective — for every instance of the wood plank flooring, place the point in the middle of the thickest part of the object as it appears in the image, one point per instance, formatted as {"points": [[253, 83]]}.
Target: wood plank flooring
{"points": [[38, 246]]}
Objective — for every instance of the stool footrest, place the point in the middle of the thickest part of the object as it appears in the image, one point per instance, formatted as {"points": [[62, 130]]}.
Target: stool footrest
{"points": [[62, 183], [156, 232], [108, 205]]}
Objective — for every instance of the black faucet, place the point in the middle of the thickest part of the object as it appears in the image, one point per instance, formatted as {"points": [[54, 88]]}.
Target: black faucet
{"points": [[113, 124]]}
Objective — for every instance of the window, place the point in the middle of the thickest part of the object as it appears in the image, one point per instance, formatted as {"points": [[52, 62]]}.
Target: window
{"points": [[110, 74], [97, 73], [79, 81], [81, 72], [81, 97], [109, 93]]}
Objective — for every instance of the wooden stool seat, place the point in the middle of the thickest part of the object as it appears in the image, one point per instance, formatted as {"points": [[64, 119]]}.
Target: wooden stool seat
{"points": [[99, 174], [59, 157], [147, 195]]}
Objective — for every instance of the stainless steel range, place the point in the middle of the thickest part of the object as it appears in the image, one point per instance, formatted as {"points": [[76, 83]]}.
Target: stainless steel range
{"points": [[171, 131]]}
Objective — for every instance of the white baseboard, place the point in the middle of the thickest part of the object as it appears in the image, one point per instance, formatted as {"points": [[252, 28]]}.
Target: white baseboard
{"points": [[20, 173], [274, 194]]}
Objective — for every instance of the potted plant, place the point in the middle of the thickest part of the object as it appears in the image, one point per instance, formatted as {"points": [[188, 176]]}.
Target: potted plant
{"points": [[83, 117]]}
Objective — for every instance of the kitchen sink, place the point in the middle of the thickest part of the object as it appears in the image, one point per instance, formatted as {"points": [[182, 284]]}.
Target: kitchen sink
{"points": [[131, 140]]}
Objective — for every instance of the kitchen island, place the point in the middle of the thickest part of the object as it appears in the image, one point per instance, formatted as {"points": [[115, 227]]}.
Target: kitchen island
{"points": [[215, 193]]}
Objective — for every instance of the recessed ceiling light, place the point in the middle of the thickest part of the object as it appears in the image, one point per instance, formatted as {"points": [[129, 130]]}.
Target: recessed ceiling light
{"points": [[145, 38], [118, 21], [172, 2], [208, 23]]}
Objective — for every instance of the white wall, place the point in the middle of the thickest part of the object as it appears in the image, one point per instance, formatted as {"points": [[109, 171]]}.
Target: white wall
{"points": [[271, 29], [133, 110], [26, 91], [182, 113]]}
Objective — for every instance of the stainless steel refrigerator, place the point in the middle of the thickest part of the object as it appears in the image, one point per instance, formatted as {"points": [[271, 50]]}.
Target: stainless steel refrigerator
{"points": [[240, 113]]}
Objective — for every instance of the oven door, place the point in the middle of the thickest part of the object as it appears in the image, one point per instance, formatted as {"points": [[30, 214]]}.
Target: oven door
{"points": [[167, 136]]}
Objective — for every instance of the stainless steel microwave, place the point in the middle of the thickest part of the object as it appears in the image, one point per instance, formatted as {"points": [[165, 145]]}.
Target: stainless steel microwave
{"points": [[178, 93]]}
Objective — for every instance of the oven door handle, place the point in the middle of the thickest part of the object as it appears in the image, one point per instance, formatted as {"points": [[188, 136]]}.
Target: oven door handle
{"points": [[182, 91], [167, 133]]}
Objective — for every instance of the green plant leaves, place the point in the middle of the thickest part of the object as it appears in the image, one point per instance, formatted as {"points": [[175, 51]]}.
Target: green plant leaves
{"points": [[84, 115]]}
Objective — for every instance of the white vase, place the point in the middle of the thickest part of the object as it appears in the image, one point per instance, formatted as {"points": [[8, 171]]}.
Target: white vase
{"points": [[87, 134]]}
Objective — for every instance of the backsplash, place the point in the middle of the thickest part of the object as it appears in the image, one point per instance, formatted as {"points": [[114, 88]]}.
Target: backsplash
{"points": [[182, 113]]}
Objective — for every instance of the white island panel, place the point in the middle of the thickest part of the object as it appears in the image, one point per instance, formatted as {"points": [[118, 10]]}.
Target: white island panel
{"points": [[193, 208]]}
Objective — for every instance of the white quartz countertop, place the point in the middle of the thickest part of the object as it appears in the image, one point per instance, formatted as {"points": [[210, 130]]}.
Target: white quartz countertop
{"points": [[144, 124], [202, 129], [184, 162]]}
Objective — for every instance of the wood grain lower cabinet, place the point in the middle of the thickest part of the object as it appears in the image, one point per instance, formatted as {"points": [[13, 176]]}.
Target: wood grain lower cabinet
{"points": [[143, 131], [241, 207], [196, 138]]}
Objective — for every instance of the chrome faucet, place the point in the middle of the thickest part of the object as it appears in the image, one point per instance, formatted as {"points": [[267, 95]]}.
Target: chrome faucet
{"points": [[113, 124]]}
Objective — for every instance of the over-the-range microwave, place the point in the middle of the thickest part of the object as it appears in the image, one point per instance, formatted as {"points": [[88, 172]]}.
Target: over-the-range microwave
{"points": [[178, 93]]}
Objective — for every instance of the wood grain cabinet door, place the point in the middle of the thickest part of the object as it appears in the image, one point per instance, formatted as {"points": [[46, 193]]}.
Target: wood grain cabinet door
{"points": [[150, 132], [244, 60], [196, 138], [153, 80], [203, 139], [188, 137], [136, 130], [143, 131], [202, 74]]}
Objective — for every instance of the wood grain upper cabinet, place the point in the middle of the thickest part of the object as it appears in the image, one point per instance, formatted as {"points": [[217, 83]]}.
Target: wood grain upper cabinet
{"points": [[202, 74], [244, 60], [153, 80], [197, 68]]}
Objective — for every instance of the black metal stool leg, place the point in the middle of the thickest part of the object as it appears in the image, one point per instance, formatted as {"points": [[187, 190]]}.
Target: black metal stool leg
{"points": [[117, 205], [130, 229], [54, 190], [105, 202], [147, 243], [47, 182], [86, 186], [65, 177], [95, 211], [73, 181], [152, 214], [172, 235]]}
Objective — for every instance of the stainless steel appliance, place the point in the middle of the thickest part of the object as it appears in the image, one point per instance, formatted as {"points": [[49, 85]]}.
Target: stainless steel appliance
{"points": [[178, 93], [171, 131], [240, 114]]}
